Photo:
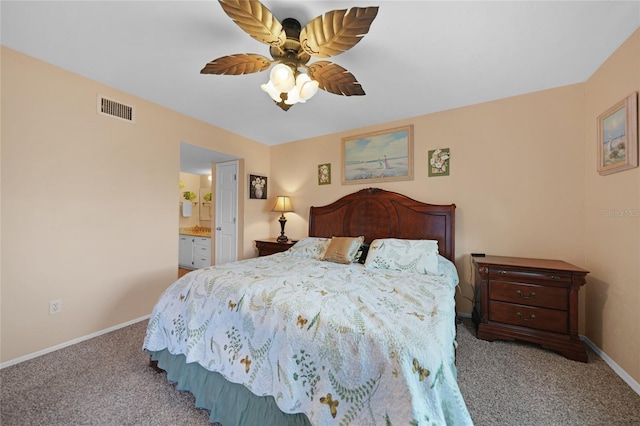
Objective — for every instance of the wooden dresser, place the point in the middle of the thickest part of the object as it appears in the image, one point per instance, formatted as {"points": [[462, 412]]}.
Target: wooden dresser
{"points": [[533, 300], [271, 246]]}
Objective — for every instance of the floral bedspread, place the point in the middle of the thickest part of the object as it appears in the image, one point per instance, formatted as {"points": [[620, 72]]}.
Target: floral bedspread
{"points": [[341, 343]]}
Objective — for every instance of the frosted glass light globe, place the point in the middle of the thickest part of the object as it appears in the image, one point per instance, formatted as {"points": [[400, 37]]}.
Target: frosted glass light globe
{"points": [[306, 87], [282, 78], [272, 91]]}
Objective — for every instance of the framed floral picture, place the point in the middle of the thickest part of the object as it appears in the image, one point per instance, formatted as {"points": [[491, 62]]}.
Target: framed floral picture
{"points": [[618, 136], [439, 162], [381, 156], [257, 187], [324, 174]]}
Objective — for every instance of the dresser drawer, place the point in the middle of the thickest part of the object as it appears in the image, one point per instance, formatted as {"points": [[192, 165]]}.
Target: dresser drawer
{"points": [[202, 241], [201, 261], [528, 316], [201, 250], [529, 294], [529, 275]]}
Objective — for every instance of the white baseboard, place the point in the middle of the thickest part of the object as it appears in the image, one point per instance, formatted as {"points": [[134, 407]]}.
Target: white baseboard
{"points": [[70, 342], [614, 366]]}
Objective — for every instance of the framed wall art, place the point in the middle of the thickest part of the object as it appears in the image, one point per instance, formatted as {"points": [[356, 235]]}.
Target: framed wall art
{"points": [[257, 187], [618, 136], [439, 162], [381, 156], [324, 174]]}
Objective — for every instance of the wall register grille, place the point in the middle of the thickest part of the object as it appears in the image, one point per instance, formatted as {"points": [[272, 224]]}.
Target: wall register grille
{"points": [[115, 109]]}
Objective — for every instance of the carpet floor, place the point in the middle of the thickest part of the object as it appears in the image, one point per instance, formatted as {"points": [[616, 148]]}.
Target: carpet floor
{"points": [[107, 381]]}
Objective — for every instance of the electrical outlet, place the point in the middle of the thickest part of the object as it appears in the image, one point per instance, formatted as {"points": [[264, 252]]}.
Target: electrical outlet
{"points": [[55, 306]]}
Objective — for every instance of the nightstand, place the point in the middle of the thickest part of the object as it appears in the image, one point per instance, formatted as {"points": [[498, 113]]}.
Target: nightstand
{"points": [[271, 245], [534, 300]]}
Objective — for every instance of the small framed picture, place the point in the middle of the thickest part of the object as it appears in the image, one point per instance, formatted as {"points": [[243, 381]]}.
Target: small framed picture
{"points": [[439, 162], [618, 136], [324, 174], [257, 187]]}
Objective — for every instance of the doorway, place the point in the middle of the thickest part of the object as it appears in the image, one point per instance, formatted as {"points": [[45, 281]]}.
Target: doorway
{"points": [[203, 161]]}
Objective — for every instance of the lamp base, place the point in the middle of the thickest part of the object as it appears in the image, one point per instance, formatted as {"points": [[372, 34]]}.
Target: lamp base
{"points": [[282, 238]]}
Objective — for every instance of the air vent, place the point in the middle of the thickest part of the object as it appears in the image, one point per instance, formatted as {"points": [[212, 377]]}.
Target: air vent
{"points": [[115, 109]]}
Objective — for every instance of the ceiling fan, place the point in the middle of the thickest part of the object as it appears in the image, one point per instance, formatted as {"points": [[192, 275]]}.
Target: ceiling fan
{"points": [[292, 48]]}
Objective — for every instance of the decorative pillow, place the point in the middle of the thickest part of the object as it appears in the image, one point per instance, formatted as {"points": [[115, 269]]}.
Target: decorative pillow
{"points": [[419, 256], [310, 248], [343, 249], [361, 256]]}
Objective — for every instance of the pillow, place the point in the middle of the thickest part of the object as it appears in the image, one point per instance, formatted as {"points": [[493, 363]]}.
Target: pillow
{"points": [[419, 256], [343, 249], [310, 248], [448, 268], [361, 256]]}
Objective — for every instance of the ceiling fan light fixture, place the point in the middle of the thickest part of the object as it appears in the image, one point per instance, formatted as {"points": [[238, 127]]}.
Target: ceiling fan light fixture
{"points": [[282, 77], [279, 83], [306, 87], [292, 46], [292, 97], [272, 91]]}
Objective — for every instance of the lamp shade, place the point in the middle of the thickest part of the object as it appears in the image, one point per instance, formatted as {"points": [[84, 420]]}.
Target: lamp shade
{"points": [[283, 204]]}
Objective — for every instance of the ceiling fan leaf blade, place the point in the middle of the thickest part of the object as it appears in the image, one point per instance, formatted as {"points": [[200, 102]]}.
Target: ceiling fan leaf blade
{"points": [[241, 63], [334, 79], [256, 20], [336, 31]]}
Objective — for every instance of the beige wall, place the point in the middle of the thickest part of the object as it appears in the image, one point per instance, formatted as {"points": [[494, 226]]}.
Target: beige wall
{"points": [[612, 222], [516, 176], [89, 204]]}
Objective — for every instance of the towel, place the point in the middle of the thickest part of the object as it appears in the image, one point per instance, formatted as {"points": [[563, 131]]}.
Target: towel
{"points": [[186, 208]]}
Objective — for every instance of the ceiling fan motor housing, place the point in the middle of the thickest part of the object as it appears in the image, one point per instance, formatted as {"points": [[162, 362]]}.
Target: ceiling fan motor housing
{"points": [[291, 54]]}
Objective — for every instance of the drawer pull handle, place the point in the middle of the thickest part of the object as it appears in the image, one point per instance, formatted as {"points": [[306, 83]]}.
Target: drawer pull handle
{"points": [[530, 296], [531, 318], [555, 277], [502, 272]]}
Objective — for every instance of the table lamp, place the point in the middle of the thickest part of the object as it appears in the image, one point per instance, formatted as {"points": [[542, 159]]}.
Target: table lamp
{"points": [[283, 205]]}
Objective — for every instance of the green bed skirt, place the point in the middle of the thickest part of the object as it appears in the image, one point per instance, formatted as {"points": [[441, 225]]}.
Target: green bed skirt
{"points": [[230, 404]]}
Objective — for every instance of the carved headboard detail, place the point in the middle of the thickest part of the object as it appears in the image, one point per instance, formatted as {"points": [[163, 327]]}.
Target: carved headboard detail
{"points": [[376, 213]]}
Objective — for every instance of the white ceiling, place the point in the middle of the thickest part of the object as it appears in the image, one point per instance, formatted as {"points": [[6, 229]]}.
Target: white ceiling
{"points": [[197, 160], [419, 57]]}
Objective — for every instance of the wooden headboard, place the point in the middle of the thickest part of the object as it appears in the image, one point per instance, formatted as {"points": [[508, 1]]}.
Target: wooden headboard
{"points": [[376, 213]]}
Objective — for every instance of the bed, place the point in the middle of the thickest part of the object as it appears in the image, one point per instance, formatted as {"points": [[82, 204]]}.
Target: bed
{"points": [[320, 334]]}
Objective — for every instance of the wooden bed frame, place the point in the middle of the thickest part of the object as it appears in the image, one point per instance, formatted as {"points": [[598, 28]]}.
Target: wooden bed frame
{"points": [[376, 213]]}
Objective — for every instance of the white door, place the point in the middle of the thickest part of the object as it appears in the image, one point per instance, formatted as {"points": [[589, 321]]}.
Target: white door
{"points": [[226, 212]]}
